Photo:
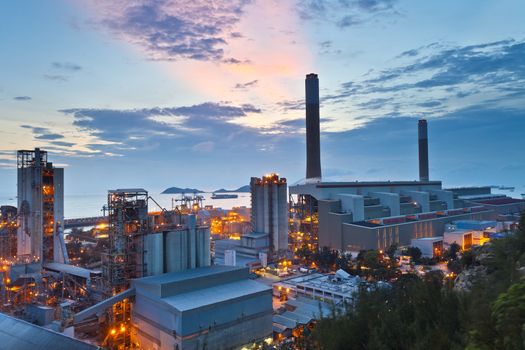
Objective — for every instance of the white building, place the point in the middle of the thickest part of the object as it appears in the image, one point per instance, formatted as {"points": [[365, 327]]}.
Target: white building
{"points": [[335, 288], [461, 237], [430, 247]]}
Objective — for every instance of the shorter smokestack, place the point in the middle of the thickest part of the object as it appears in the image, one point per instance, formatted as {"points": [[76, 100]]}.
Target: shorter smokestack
{"points": [[423, 149]]}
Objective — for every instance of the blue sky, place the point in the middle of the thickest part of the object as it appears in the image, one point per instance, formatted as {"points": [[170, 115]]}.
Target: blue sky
{"points": [[206, 94]]}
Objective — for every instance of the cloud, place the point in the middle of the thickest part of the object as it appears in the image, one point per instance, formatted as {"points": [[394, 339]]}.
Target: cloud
{"points": [[139, 128], [42, 133], [174, 29], [348, 21], [232, 60], [245, 86], [22, 98], [203, 147], [49, 137], [63, 143], [434, 80], [375, 5], [344, 13], [56, 77], [66, 66], [386, 147]]}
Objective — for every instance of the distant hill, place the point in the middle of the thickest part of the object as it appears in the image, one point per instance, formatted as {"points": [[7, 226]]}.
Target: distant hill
{"points": [[177, 190], [240, 189]]}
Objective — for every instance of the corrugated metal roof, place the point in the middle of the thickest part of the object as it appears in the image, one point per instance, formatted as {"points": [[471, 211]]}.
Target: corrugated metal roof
{"points": [[172, 277], [216, 294], [298, 318], [21, 335], [284, 322]]}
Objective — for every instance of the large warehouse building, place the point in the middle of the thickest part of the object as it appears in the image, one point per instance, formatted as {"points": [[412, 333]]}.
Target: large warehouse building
{"points": [[215, 307]]}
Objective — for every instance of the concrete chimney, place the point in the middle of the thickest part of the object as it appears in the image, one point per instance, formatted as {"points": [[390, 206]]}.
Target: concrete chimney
{"points": [[423, 149], [313, 147]]}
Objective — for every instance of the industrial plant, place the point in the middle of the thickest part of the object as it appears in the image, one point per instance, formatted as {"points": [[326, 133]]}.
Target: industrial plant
{"points": [[352, 216], [186, 277]]}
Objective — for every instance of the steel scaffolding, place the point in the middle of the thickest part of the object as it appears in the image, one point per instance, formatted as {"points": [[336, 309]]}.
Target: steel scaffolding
{"points": [[127, 224]]}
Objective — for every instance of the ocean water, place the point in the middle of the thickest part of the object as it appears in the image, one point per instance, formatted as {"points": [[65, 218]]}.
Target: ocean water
{"points": [[85, 205]]}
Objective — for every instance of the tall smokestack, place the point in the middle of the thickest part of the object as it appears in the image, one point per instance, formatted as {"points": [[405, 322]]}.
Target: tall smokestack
{"points": [[423, 149], [313, 148]]}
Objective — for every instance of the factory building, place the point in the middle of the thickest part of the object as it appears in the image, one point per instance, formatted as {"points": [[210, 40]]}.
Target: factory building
{"points": [[270, 209], [41, 208], [500, 204], [351, 216], [215, 307], [374, 215]]}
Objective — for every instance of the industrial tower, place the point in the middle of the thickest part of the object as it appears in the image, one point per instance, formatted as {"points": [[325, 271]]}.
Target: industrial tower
{"points": [[41, 208]]}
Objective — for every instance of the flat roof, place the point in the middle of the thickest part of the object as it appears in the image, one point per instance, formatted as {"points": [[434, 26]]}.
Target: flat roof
{"points": [[22, 335], [171, 277], [214, 295]]}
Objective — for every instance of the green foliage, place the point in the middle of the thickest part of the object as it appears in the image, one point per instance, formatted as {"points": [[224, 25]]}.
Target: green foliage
{"points": [[414, 253], [426, 313], [509, 316], [413, 314], [391, 251]]}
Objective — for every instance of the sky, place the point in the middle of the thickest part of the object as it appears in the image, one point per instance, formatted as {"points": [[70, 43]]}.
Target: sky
{"points": [[206, 94]]}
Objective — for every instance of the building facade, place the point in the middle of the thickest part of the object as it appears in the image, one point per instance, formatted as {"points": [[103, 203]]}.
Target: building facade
{"points": [[216, 307]]}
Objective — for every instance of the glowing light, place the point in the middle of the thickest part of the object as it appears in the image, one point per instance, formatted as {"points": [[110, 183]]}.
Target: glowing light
{"points": [[113, 331]]}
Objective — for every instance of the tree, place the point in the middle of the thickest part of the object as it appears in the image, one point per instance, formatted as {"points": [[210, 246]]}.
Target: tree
{"points": [[414, 253], [452, 252], [391, 251], [509, 315]]}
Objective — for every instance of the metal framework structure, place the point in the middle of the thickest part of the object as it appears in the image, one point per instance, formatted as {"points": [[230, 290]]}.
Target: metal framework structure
{"points": [[188, 204], [127, 224], [303, 221], [8, 228]]}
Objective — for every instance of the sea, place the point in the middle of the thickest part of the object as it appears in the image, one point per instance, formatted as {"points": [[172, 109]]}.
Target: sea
{"points": [[87, 205]]}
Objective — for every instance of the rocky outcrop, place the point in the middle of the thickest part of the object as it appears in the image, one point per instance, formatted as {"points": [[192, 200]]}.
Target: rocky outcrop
{"points": [[481, 266], [469, 277]]}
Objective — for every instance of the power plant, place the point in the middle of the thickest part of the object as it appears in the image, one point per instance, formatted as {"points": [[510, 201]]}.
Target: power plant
{"points": [[351, 216], [154, 280]]}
